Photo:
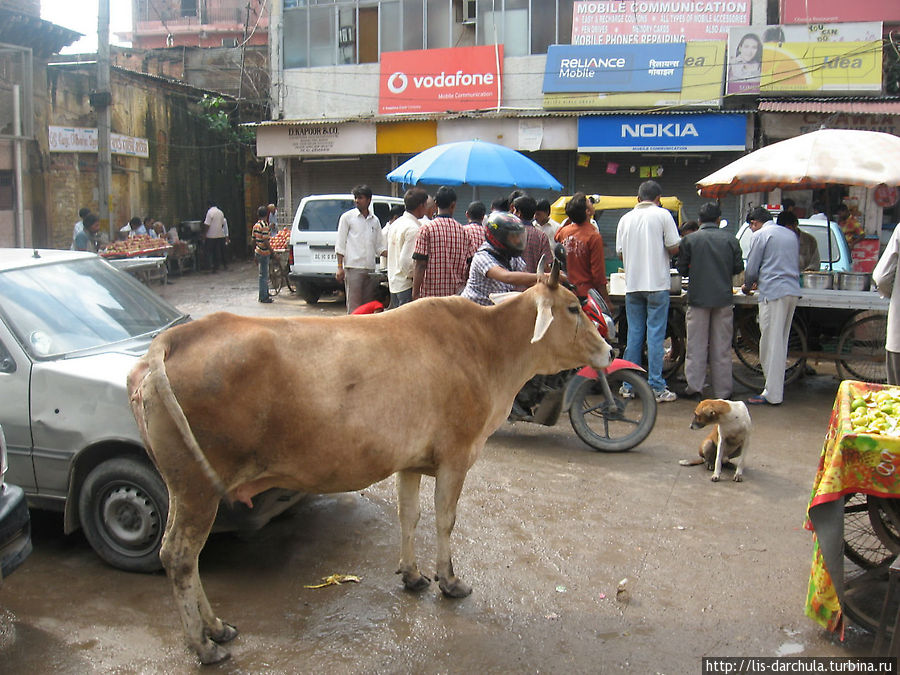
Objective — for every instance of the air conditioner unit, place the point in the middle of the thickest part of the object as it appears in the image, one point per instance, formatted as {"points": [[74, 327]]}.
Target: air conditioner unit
{"points": [[468, 11], [229, 42]]}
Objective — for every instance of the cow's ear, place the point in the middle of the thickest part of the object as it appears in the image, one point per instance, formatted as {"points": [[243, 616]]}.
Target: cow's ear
{"points": [[544, 317], [497, 298]]}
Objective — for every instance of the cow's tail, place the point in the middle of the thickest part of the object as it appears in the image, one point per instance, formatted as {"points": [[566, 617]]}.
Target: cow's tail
{"points": [[156, 358]]}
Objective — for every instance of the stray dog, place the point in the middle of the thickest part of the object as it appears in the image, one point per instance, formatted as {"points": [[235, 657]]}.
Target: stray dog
{"points": [[729, 439]]}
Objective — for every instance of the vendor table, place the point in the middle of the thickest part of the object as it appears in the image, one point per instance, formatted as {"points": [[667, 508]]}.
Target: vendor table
{"points": [[145, 269], [850, 463]]}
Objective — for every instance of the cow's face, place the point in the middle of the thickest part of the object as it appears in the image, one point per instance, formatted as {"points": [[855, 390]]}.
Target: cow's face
{"points": [[564, 332]]}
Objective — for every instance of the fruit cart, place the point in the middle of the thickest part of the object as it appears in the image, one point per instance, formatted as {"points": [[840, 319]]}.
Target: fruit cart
{"points": [[854, 510], [279, 265], [142, 256]]}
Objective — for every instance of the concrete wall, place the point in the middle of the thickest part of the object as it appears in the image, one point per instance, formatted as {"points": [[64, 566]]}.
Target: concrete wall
{"points": [[188, 162]]}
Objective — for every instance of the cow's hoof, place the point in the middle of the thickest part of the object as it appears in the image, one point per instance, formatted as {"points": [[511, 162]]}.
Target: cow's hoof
{"points": [[738, 478], [454, 588], [715, 478], [415, 582], [228, 634], [212, 653]]}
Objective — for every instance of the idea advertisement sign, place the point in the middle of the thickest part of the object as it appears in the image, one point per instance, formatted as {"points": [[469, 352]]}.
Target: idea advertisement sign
{"points": [[612, 68], [845, 57], [622, 22], [440, 80]]}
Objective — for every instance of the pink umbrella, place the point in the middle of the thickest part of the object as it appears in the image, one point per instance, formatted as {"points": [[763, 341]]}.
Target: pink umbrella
{"points": [[813, 160]]}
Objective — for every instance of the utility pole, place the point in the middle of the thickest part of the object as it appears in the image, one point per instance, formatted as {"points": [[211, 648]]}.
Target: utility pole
{"points": [[101, 100]]}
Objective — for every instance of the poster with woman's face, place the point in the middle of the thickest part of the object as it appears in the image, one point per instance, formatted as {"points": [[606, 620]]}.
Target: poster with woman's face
{"points": [[804, 58], [744, 64]]}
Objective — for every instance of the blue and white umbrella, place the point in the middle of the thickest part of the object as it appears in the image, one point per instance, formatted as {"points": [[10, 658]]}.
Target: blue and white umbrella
{"points": [[473, 163]]}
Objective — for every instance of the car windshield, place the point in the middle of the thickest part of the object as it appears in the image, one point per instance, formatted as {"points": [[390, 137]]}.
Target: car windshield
{"points": [[818, 231], [60, 308], [322, 215]]}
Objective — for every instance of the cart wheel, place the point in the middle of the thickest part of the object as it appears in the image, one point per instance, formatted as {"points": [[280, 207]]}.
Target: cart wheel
{"points": [[862, 543], [864, 594], [748, 369], [276, 276], [861, 350], [674, 342]]}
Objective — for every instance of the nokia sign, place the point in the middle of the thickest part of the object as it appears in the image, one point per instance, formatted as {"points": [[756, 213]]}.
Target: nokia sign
{"points": [[662, 133]]}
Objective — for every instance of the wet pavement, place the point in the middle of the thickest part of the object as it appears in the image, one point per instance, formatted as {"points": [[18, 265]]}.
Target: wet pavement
{"points": [[546, 531]]}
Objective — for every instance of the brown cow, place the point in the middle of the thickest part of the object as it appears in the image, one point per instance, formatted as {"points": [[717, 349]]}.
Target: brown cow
{"points": [[413, 391]]}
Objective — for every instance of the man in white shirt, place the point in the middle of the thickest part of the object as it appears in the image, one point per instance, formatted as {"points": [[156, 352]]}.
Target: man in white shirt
{"points": [[646, 240], [543, 220], [359, 244], [216, 233], [401, 242], [79, 226], [885, 275]]}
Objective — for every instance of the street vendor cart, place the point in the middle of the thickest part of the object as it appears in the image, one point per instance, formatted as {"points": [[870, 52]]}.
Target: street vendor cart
{"points": [[858, 473], [142, 256]]}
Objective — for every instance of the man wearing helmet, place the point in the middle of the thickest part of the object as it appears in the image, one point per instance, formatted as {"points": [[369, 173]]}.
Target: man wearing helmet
{"points": [[497, 266]]}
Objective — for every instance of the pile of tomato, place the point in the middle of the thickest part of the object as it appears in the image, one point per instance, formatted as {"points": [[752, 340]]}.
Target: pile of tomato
{"points": [[279, 241]]}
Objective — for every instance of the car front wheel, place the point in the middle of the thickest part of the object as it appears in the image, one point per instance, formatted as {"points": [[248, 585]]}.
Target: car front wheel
{"points": [[123, 506]]}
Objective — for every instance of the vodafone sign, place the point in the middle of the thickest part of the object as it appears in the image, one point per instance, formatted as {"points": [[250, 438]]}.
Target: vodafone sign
{"points": [[440, 80]]}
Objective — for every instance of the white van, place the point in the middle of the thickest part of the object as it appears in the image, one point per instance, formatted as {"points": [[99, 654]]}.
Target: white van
{"points": [[314, 235]]}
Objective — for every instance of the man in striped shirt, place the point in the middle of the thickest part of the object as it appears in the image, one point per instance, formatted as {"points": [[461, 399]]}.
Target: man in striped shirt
{"points": [[262, 252], [443, 251]]}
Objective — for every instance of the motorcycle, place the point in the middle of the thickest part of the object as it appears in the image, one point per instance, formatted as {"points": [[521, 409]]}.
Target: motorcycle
{"points": [[601, 413]]}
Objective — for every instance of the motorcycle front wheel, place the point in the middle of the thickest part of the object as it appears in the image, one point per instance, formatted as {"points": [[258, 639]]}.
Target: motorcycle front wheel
{"points": [[613, 425]]}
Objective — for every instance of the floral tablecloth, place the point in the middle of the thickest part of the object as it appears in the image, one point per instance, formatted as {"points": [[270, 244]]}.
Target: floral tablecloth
{"points": [[850, 462]]}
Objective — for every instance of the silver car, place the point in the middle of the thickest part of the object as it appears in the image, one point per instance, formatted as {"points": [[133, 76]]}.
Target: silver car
{"points": [[71, 327]]}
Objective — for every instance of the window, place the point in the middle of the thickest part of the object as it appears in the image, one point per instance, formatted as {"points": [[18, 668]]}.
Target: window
{"points": [[332, 32], [188, 7], [7, 192]]}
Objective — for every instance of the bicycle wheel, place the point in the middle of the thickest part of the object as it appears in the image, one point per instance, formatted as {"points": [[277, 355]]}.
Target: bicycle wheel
{"points": [[862, 544], [861, 349], [748, 369], [276, 275], [884, 516]]}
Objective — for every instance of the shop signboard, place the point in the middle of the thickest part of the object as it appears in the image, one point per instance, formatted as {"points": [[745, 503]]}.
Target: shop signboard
{"points": [[835, 11], [612, 68], [83, 139], [780, 125], [440, 80], [651, 22], [297, 140], [809, 58], [700, 85], [702, 132]]}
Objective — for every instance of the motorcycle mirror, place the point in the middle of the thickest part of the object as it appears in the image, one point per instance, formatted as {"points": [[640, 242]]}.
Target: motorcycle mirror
{"points": [[723, 223]]}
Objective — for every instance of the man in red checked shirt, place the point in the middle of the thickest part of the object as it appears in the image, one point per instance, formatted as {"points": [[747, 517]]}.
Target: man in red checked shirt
{"points": [[585, 260], [443, 251]]}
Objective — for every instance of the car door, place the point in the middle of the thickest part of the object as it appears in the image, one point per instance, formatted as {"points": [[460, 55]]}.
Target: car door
{"points": [[15, 379]]}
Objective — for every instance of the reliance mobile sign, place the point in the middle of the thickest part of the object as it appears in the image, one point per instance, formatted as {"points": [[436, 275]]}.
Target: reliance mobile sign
{"points": [[662, 133], [440, 80], [612, 68]]}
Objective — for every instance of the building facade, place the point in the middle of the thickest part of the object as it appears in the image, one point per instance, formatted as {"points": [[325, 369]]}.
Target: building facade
{"points": [[602, 94]]}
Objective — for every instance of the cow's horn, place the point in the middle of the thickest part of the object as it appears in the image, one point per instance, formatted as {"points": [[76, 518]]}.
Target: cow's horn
{"points": [[553, 281], [540, 268]]}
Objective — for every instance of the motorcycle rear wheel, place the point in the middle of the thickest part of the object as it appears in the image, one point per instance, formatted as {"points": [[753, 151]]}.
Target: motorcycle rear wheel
{"points": [[617, 425]]}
